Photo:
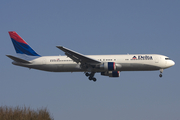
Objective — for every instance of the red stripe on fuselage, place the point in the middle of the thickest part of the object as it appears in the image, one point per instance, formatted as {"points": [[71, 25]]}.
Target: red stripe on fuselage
{"points": [[16, 37]]}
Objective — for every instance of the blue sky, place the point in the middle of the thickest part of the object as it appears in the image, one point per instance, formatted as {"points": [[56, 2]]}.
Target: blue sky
{"points": [[93, 27]]}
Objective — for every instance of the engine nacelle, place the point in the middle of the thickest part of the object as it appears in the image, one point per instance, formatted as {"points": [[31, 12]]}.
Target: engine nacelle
{"points": [[109, 66], [111, 73]]}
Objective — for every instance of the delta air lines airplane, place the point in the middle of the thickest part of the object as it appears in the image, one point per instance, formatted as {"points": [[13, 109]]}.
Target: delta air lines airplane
{"points": [[107, 65]]}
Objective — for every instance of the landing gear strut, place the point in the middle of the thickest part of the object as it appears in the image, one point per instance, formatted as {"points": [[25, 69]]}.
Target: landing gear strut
{"points": [[91, 76], [161, 71]]}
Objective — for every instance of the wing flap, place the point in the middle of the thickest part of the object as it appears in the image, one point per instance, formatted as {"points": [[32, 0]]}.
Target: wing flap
{"points": [[17, 59], [77, 57]]}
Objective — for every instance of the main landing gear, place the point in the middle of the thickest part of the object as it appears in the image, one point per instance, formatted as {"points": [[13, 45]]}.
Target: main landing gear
{"points": [[91, 76], [161, 71]]}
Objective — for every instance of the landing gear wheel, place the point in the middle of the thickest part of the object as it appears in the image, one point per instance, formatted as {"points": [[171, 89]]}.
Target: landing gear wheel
{"points": [[87, 74], [90, 78], [94, 79], [161, 71]]}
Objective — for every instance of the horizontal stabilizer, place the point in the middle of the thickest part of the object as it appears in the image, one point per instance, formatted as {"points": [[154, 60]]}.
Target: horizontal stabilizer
{"points": [[17, 59]]}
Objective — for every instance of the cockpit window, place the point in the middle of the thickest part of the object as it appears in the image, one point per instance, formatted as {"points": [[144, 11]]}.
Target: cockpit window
{"points": [[167, 59]]}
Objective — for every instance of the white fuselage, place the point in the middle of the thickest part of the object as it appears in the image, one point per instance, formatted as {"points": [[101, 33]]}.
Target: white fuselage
{"points": [[129, 62]]}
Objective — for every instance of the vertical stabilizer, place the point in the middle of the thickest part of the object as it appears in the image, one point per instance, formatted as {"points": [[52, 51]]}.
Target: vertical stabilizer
{"points": [[20, 45]]}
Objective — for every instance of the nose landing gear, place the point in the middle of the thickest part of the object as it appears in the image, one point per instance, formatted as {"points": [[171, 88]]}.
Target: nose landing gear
{"points": [[161, 71]]}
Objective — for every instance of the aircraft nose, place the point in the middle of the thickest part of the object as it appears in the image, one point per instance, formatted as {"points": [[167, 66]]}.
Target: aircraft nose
{"points": [[171, 63]]}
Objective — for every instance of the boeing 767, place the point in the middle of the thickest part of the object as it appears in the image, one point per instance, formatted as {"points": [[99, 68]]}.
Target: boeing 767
{"points": [[107, 65]]}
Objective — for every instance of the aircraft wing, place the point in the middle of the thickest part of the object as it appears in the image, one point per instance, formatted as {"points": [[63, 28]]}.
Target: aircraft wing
{"points": [[77, 57]]}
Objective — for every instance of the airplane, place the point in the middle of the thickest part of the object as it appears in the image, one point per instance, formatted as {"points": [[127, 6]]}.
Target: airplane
{"points": [[107, 65]]}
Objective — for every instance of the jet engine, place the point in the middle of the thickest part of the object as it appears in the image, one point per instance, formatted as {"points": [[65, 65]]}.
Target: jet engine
{"points": [[111, 73], [109, 66]]}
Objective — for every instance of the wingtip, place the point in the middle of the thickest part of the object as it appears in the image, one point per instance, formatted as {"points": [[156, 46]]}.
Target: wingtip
{"points": [[59, 46], [8, 55]]}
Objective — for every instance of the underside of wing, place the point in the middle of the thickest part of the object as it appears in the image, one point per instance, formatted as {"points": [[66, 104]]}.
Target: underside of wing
{"points": [[77, 57]]}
